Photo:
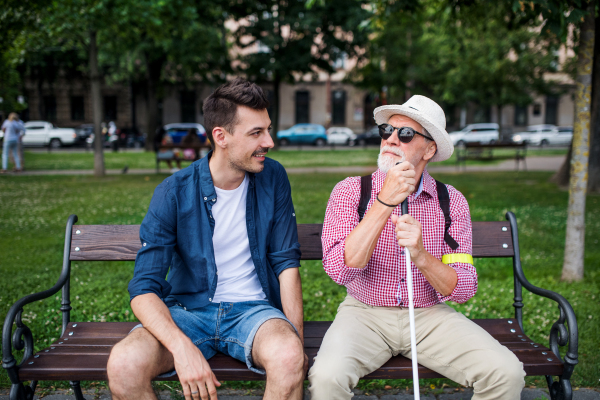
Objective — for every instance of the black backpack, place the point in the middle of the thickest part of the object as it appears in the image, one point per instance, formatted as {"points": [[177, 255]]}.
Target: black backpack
{"points": [[366, 184]]}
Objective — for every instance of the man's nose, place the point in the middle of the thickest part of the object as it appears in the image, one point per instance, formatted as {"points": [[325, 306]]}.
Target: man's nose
{"points": [[393, 140], [268, 141]]}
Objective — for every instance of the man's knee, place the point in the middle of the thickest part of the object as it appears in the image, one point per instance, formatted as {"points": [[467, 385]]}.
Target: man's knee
{"points": [[505, 376], [284, 356], [131, 363], [331, 377]]}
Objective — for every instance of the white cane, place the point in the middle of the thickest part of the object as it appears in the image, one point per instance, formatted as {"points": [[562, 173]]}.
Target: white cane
{"points": [[411, 315]]}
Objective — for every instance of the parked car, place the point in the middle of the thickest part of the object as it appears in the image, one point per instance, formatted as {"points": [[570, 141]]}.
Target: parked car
{"points": [[178, 130], [482, 133], [544, 135], [303, 134], [371, 136], [42, 133], [341, 135]]}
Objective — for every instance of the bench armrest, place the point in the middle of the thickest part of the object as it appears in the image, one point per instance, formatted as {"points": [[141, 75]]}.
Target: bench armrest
{"points": [[22, 338], [560, 335]]}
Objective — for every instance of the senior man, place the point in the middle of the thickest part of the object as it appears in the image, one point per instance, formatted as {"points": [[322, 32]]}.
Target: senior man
{"points": [[367, 255]]}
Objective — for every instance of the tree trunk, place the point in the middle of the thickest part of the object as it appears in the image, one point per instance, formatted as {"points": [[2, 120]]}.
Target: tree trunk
{"points": [[575, 240], [154, 70], [96, 107], [594, 169], [275, 120]]}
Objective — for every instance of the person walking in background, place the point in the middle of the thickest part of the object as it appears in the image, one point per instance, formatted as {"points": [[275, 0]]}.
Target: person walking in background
{"points": [[12, 131]]}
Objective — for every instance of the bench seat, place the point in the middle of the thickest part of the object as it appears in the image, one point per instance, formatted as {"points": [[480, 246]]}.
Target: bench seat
{"points": [[84, 354]]}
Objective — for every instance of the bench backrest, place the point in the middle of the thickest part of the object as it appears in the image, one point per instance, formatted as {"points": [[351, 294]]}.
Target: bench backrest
{"points": [[122, 242]]}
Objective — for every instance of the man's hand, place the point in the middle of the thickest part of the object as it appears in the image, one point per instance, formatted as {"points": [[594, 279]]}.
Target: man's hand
{"points": [[197, 379], [399, 183], [410, 235]]}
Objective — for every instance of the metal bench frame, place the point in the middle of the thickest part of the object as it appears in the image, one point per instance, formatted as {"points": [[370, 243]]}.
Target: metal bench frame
{"points": [[502, 242]]}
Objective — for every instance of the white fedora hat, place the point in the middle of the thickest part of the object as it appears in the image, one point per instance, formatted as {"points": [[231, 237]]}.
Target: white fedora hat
{"points": [[427, 113]]}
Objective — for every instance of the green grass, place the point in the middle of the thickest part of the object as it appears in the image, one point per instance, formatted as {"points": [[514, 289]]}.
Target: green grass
{"points": [[34, 210], [35, 161]]}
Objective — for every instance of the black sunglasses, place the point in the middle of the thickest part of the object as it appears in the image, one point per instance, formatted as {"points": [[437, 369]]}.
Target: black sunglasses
{"points": [[405, 133]]}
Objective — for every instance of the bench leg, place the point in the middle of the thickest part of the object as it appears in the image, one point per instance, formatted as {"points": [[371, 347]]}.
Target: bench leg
{"points": [[22, 392], [561, 389], [77, 390]]}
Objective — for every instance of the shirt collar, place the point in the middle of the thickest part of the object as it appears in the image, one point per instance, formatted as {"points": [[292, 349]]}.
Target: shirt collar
{"points": [[206, 182]]}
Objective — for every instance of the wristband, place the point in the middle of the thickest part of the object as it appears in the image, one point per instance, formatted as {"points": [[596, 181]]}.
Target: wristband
{"points": [[385, 204]]}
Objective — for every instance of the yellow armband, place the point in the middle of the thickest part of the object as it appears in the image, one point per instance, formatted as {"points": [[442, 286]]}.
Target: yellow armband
{"points": [[457, 257]]}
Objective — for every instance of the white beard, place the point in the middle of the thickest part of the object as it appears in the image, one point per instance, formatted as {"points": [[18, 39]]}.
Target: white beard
{"points": [[385, 162]]}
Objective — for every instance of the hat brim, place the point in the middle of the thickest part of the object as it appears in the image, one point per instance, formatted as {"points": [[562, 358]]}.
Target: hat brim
{"points": [[445, 148]]}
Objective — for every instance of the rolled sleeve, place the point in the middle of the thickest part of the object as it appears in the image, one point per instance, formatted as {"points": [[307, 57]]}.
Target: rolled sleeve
{"points": [[284, 249], [461, 230], [341, 217], [158, 240]]}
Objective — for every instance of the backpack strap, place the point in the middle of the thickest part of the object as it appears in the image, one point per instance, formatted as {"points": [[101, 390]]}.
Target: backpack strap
{"points": [[444, 199], [366, 184]]}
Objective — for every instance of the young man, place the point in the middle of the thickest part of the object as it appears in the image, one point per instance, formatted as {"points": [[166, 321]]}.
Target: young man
{"points": [[368, 257], [224, 231]]}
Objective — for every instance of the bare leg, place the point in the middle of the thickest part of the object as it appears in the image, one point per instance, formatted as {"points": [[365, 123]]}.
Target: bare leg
{"points": [[278, 350], [132, 364]]}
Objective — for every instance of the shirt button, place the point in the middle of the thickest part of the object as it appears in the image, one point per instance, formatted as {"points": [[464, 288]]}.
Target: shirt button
{"points": [[185, 308], [214, 199], [144, 245], [210, 299], [217, 272], [205, 198]]}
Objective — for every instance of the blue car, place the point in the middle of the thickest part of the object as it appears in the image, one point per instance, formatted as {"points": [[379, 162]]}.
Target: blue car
{"points": [[303, 134], [179, 130]]}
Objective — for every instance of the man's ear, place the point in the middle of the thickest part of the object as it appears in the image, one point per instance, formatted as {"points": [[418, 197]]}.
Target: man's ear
{"points": [[219, 137], [430, 151]]}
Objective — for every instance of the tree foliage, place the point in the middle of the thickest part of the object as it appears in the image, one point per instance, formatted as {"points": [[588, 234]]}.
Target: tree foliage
{"points": [[458, 52], [292, 40]]}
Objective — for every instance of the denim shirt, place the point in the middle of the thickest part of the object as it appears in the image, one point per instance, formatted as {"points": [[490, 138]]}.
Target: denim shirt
{"points": [[177, 234]]}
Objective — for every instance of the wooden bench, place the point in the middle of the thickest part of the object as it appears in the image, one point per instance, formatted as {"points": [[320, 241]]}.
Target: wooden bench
{"points": [[82, 351], [171, 146], [485, 152]]}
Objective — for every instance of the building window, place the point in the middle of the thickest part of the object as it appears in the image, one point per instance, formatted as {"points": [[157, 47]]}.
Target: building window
{"points": [[110, 108], [302, 106], [537, 109], [49, 108], [482, 115], [77, 110], [520, 115], [551, 110], [338, 107], [188, 106]]}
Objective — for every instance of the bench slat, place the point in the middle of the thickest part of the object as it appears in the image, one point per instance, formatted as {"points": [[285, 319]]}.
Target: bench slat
{"points": [[122, 242], [85, 364], [83, 355]]}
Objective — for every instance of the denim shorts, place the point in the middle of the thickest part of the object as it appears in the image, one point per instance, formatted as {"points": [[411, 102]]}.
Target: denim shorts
{"points": [[225, 327]]}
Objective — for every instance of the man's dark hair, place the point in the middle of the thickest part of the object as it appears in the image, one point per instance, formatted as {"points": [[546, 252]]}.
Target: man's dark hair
{"points": [[220, 108]]}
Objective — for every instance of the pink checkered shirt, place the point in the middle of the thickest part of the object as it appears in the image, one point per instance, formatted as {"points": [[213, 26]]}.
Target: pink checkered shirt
{"points": [[383, 281]]}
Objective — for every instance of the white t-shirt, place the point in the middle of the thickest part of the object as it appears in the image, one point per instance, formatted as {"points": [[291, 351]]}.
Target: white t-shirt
{"points": [[237, 279]]}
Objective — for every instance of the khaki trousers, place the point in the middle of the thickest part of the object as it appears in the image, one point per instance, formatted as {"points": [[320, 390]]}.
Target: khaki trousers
{"points": [[362, 338]]}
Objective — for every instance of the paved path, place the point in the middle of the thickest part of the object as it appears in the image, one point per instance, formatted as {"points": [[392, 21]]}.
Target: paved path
{"points": [[546, 163], [393, 394]]}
